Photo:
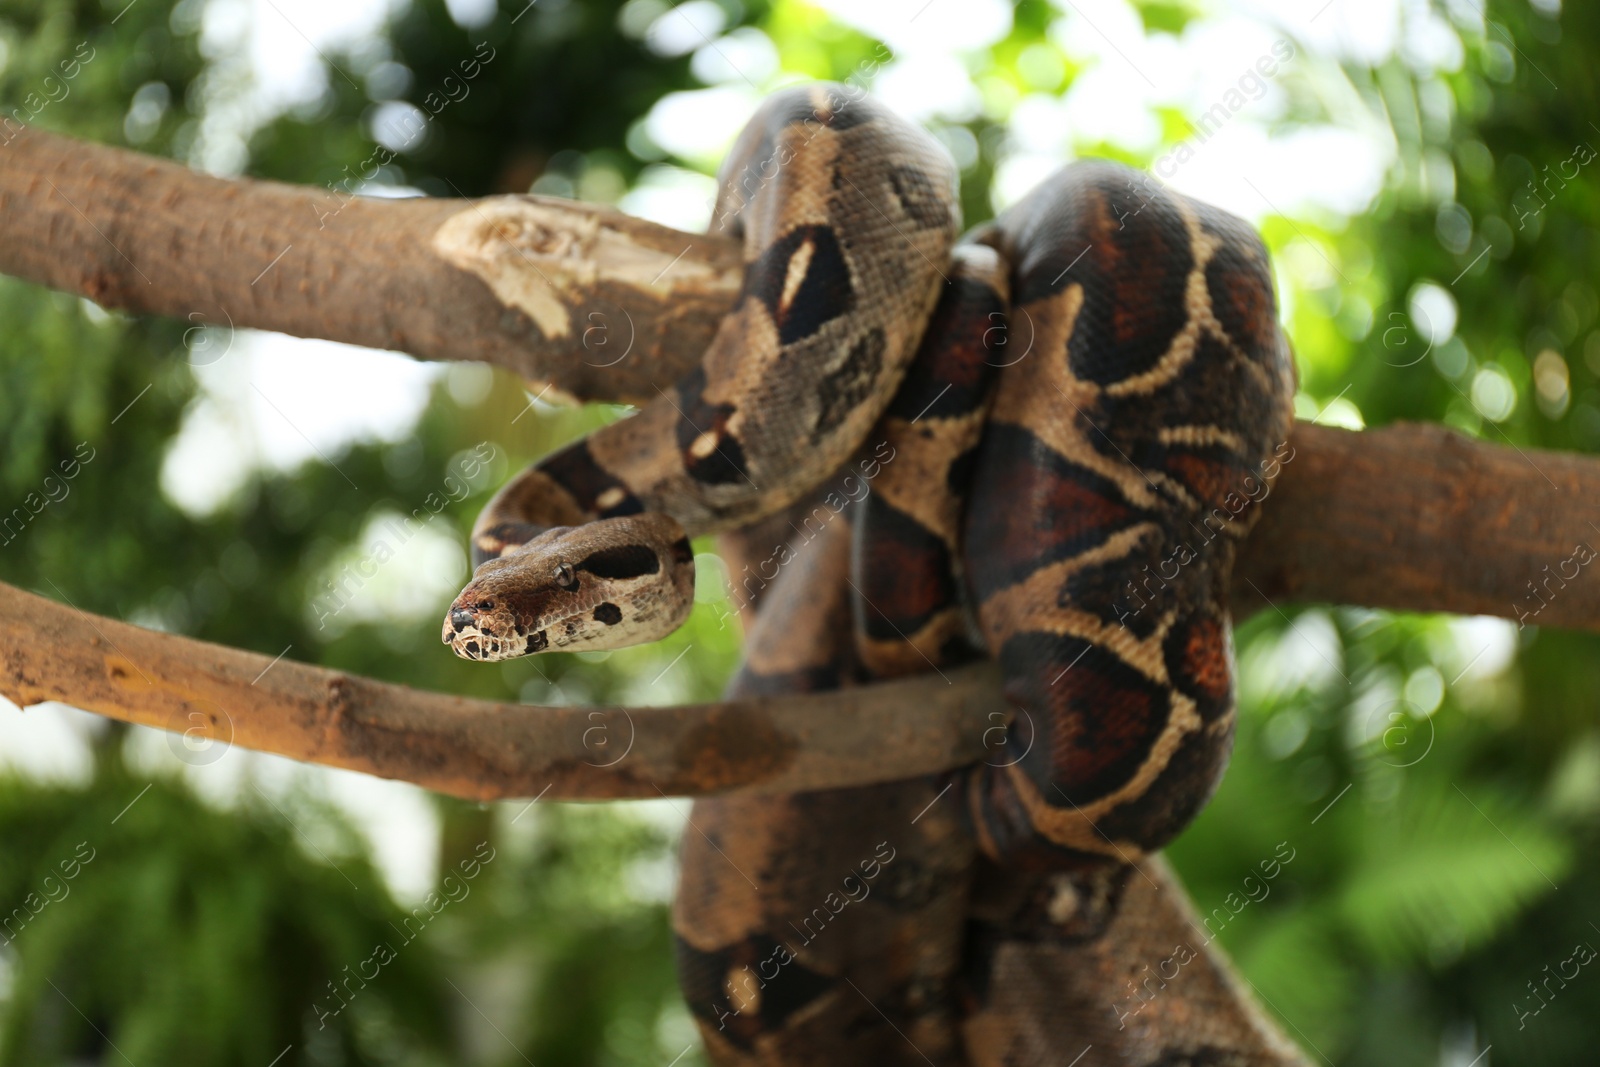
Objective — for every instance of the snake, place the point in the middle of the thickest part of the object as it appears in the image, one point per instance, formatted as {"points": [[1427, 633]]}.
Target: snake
{"points": [[1085, 401]]}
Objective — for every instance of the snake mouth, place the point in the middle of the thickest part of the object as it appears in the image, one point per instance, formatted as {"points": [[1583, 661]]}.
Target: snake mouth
{"points": [[469, 640], [484, 635]]}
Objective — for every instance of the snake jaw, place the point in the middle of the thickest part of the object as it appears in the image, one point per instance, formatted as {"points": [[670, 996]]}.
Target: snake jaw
{"points": [[479, 642], [488, 629], [485, 627], [609, 584]]}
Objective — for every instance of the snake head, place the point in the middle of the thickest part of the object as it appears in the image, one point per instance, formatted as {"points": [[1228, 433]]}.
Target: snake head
{"points": [[607, 584]]}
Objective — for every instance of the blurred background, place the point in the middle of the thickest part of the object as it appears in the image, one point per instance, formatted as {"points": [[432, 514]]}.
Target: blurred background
{"points": [[1421, 172]]}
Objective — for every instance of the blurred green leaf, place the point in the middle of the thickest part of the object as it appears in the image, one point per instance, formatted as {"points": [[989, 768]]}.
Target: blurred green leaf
{"points": [[1446, 871]]}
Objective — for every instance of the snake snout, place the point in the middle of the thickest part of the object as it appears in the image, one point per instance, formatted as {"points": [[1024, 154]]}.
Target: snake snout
{"points": [[460, 618]]}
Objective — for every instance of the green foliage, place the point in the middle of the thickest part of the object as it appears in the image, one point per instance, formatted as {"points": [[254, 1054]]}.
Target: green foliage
{"points": [[578, 903], [1446, 872], [142, 923]]}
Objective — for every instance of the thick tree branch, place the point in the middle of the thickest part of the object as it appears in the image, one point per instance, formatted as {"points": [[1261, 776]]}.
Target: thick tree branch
{"points": [[550, 289], [1416, 517]]}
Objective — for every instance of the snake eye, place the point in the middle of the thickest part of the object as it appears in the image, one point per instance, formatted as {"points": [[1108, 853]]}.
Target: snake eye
{"points": [[485, 605], [566, 577]]}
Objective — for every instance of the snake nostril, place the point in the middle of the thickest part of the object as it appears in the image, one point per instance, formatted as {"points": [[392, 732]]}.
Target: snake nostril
{"points": [[460, 618]]}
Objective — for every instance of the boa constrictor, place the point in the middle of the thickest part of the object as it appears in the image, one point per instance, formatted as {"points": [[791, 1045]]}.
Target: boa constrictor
{"points": [[1080, 442]]}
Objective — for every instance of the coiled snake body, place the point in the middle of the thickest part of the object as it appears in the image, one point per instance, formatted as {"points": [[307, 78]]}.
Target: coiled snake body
{"points": [[1099, 399]]}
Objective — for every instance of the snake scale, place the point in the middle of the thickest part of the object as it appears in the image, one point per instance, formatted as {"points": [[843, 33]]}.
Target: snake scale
{"points": [[1068, 419]]}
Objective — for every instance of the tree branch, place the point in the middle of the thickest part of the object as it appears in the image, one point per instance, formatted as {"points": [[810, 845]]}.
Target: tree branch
{"points": [[553, 290], [478, 749], [1416, 517]]}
